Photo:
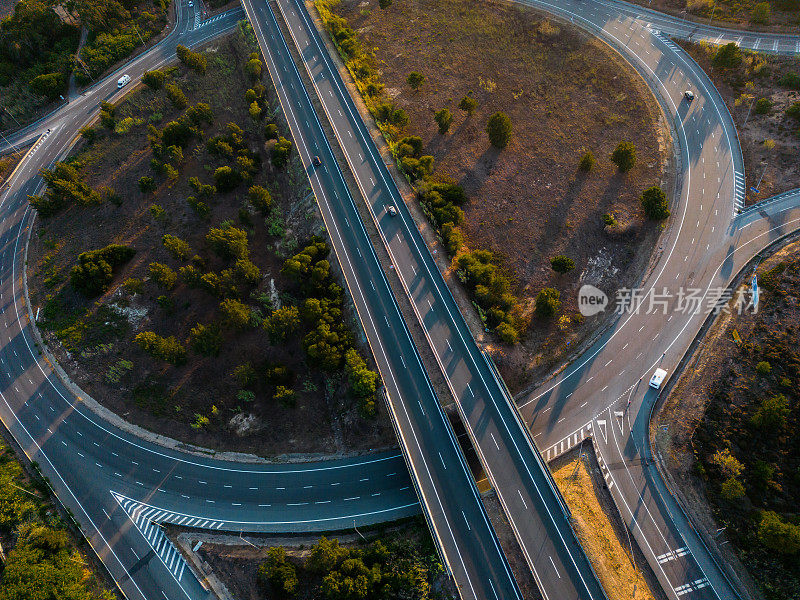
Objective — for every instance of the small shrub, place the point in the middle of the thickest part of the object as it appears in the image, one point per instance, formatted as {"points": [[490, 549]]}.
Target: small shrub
{"points": [[499, 130], [281, 151], [177, 247], [763, 368], [763, 106], [226, 179], [162, 275], [147, 184], [154, 79], [548, 303], [587, 162], [654, 203], [794, 110], [562, 264], [443, 119], [415, 80], [468, 104], [624, 156], [176, 96]]}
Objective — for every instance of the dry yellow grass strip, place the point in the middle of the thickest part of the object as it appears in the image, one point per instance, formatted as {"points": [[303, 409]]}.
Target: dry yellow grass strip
{"points": [[592, 511]]}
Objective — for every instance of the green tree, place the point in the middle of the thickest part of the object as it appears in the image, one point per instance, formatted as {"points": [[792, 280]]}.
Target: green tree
{"points": [[235, 314], [794, 110], [228, 242], [177, 247], [443, 119], [325, 555], [193, 60], [772, 414], [277, 574], [167, 349], [254, 66], [154, 79], [162, 275], [206, 340], [507, 333], [468, 104], [731, 489], [760, 13], [415, 80], [281, 323], [728, 56], [281, 151], [763, 106], [727, 464], [147, 184], [176, 96], [255, 111], [778, 535], [654, 203], [95, 269], [260, 199], [363, 381], [562, 264], [499, 130], [624, 156], [284, 395], [384, 4], [50, 85], [548, 302], [226, 179]]}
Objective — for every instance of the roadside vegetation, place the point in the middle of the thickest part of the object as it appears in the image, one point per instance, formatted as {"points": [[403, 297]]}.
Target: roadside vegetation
{"points": [[388, 563], [762, 92], [519, 137], [184, 276], [763, 15], [38, 556], [733, 431], [39, 42]]}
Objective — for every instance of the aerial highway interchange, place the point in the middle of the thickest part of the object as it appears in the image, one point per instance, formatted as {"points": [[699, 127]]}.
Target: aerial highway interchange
{"points": [[121, 485]]}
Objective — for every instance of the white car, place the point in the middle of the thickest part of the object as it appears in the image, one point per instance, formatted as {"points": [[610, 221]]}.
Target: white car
{"points": [[658, 378], [689, 95], [123, 81], [391, 210]]}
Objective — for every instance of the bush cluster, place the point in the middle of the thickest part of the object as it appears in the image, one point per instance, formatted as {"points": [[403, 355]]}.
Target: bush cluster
{"points": [[95, 269]]}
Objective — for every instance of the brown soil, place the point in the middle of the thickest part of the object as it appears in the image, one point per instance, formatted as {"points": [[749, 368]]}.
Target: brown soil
{"points": [[565, 94], [167, 399], [600, 529], [731, 13], [770, 142], [719, 364]]}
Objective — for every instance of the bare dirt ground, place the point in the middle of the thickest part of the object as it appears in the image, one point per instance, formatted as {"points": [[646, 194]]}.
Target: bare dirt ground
{"points": [[600, 529], [784, 15], [711, 408], [165, 399], [565, 94], [771, 140]]}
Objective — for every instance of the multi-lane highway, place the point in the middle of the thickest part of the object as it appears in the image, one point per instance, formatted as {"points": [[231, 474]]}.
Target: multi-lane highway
{"points": [[120, 487]]}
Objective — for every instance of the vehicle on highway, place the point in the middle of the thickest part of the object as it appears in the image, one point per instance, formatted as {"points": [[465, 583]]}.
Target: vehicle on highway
{"points": [[391, 210], [317, 161], [658, 378], [123, 81], [689, 95]]}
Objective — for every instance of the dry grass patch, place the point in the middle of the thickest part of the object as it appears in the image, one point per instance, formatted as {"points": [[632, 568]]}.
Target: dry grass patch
{"points": [[565, 94], [598, 526]]}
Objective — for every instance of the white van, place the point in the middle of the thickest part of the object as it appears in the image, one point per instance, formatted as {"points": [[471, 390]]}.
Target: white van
{"points": [[123, 81], [658, 378]]}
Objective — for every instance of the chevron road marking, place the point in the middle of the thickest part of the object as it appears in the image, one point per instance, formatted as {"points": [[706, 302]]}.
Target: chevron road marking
{"points": [[147, 520]]}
